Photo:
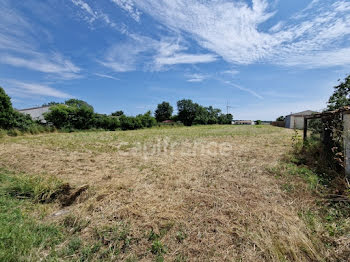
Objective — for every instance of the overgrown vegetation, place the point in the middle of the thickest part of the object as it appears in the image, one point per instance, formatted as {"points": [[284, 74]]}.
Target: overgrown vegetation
{"points": [[76, 114], [329, 218], [12, 120], [22, 237], [190, 113]]}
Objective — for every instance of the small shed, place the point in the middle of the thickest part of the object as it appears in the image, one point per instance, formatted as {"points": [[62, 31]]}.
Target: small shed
{"points": [[37, 113], [296, 120]]}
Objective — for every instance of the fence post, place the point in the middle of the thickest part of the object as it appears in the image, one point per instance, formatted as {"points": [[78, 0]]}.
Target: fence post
{"points": [[346, 122], [305, 129]]}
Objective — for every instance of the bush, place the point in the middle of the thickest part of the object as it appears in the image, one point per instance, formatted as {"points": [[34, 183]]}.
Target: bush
{"points": [[65, 116], [106, 122], [138, 122]]}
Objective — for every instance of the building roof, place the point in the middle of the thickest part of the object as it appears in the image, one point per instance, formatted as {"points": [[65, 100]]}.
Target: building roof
{"points": [[304, 113], [26, 109]]}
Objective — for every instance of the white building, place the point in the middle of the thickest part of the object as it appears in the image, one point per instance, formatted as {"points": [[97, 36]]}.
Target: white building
{"points": [[37, 113], [296, 120]]}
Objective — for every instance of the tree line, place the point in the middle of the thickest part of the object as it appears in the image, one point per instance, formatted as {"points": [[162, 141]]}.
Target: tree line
{"points": [[75, 114]]}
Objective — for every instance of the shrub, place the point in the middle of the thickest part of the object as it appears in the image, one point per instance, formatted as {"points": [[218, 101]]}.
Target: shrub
{"points": [[14, 132], [66, 116], [106, 122], [147, 120]]}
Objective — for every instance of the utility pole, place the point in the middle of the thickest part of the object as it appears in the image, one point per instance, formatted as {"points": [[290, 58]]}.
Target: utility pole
{"points": [[227, 108]]}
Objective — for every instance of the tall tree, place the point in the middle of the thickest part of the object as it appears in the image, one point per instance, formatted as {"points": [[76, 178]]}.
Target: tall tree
{"points": [[187, 111], [78, 103], [341, 95], [163, 112], [118, 113], [6, 110]]}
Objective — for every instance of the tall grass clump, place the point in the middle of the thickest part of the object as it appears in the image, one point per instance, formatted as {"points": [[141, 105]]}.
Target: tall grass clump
{"points": [[37, 188]]}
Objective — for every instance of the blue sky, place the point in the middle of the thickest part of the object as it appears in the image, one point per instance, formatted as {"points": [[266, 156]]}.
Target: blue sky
{"points": [[264, 58]]}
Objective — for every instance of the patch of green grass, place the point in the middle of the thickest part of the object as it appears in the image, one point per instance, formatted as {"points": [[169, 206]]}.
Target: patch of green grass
{"points": [[38, 188], [21, 236], [158, 249], [290, 169], [113, 141]]}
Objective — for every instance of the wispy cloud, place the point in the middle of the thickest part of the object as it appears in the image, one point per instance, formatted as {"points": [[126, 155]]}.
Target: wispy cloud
{"points": [[232, 30], [18, 46], [250, 91], [138, 49], [55, 64], [20, 89], [181, 58], [91, 15], [129, 7], [196, 77], [231, 72], [107, 76]]}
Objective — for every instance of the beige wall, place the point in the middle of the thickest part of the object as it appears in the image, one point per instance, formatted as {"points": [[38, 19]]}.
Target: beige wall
{"points": [[297, 122]]}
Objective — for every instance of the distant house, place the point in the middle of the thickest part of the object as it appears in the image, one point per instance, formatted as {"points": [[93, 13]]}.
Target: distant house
{"points": [[243, 122], [37, 113], [296, 120]]}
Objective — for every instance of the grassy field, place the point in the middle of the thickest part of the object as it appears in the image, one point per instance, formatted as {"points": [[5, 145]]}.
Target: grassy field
{"points": [[204, 193]]}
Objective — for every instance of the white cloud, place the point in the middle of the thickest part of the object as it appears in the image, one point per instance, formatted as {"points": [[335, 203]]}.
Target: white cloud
{"points": [[128, 6], [21, 89], [232, 30], [90, 15], [54, 64], [19, 48], [196, 77], [182, 58], [106, 76], [130, 55], [250, 91], [231, 72]]}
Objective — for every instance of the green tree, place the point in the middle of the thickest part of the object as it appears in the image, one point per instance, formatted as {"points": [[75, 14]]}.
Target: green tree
{"points": [[118, 113], [213, 114], [341, 95], [51, 103], [225, 119], [10, 118], [78, 103], [187, 111], [163, 112], [202, 116], [74, 113], [280, 118], [258, 122], [6, 110]]}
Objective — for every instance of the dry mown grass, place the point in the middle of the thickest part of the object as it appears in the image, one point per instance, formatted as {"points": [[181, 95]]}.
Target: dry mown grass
{"points": [[189, 206]]}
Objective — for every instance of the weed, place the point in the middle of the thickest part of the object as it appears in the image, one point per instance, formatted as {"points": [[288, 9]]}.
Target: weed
{"points": [[158, 248], [180, 258], [180, 236], [73, 246], [2, 133], [117, 238], [14, 132], [74, 224], [153, 235]]}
